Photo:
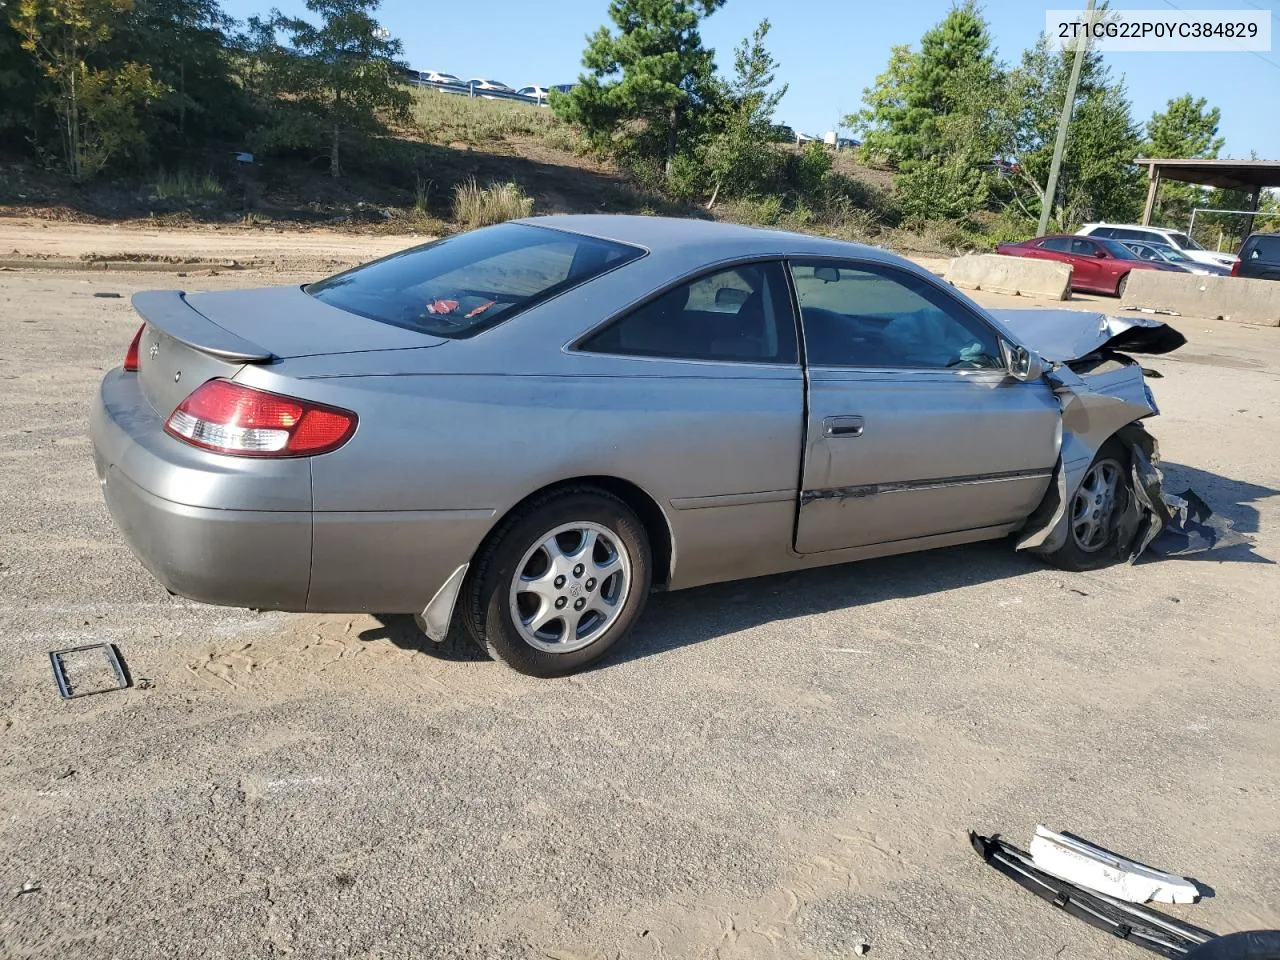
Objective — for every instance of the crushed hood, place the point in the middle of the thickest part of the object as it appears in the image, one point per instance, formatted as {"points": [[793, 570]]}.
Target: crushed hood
{"points": [[1063, 335]]}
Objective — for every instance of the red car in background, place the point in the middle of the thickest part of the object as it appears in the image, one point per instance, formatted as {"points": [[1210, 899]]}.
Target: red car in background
{"points": [[1097, 265]]}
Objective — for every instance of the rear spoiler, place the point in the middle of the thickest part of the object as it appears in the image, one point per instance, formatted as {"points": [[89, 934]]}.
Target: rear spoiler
{"points": [[169, 311]]}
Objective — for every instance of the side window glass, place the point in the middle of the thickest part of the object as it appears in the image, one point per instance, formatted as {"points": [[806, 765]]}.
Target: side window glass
{"points": [[1058, 244], [1083, 248], [742, 314], [870, 315], [1106, 233]]}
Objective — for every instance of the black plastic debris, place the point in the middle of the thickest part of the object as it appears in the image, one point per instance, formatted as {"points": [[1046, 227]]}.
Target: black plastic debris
{"points": [[1246, 945], [1138, 925], [1194, 528], [92, 668], [1149, 929]]}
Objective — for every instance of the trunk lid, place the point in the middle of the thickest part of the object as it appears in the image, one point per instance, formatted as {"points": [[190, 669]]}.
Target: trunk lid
{"points": [[193, 338], [290, 323]]}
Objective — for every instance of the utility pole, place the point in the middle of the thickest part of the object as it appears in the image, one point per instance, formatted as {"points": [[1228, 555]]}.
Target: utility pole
{"points": [[1064, 121]]}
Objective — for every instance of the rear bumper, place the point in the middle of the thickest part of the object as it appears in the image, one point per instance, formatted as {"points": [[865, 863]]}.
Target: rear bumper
{"points": [[214, 529], [240, 532]]}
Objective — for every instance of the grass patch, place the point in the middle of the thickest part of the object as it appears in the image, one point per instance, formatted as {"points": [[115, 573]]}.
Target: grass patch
{"points": [[448, 118], [477, 206], [186, 187]]}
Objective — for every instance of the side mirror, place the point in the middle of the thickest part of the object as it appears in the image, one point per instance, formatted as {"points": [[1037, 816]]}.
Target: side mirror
{"points": [[1021, 363]]}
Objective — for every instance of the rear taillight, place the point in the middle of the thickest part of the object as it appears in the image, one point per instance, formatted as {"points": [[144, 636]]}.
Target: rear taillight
{"points": [[1235, 268], [231, 418], [131, 355]]}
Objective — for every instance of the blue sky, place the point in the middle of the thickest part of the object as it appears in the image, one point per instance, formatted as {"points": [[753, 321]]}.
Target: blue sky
{"points": [[828, 50]]}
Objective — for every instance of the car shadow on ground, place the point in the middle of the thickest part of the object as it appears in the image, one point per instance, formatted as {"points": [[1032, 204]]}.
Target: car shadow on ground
{"points": [[690, 616], [686, 617]]}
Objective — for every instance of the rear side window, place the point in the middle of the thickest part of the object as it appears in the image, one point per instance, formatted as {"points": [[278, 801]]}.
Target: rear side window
{"points": [[463, 284], [1105, 232], [1264, 249], [1060, 244], [739, 315]]}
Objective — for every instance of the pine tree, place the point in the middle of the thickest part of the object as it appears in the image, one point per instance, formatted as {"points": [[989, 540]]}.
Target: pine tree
{"points": [[1185, 129], [650, 84], [904, 113], [740, 153]]}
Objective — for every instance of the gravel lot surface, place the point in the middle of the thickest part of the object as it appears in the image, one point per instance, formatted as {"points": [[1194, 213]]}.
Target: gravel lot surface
{"points": [[783, 767]]}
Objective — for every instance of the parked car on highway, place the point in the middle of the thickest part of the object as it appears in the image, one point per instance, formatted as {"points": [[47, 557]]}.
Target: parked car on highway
{"points": [[533, 424], [1097, 266], [436, 76], [1259, 257], [1174, 238], [1163, 253], [539, 93], [563, 87], [479, 84]]}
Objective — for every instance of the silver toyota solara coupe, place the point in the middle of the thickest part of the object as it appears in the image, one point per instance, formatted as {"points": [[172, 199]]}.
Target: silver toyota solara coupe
{"points": [[533, 425]]}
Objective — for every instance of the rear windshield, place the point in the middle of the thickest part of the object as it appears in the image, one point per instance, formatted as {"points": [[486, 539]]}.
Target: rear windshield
{"points": [[1263, 248], [463, 284]]}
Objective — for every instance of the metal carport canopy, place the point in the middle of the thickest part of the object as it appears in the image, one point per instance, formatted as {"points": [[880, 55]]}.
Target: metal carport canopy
{"points": [[1251, 175]]}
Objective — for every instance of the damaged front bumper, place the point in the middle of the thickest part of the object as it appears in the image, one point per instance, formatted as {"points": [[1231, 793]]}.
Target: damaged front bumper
{"points": [[1104, 396]]}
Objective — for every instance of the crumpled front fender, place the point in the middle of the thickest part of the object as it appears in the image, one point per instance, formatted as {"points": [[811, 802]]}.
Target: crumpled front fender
{"points": [[1095, 408]]}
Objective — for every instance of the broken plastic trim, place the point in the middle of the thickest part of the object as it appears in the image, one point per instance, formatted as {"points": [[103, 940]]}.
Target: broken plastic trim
{"points": [[1142, 927], [1078, 861]]}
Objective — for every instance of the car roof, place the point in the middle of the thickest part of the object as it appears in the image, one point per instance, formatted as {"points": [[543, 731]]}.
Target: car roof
{"points": [[1136, 226], [670, 233]]}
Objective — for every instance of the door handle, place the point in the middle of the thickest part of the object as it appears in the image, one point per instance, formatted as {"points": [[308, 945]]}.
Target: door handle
{"points": [[842, 426]]}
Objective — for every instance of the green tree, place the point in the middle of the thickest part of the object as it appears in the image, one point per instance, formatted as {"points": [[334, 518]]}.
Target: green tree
{"points": [[20, 93], [185, 43], [1186, 129], [650, 85], [906, 111], [1098, 179], [882, 118], [99, 109], [740, 154], [342, 72]]}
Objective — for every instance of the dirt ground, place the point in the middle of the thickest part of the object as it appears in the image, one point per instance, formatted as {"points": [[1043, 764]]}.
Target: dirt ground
{"points": [[784, 767]]}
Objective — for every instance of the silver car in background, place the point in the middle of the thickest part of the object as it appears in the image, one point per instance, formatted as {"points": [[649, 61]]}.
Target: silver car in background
{"points": [[531, 426]]}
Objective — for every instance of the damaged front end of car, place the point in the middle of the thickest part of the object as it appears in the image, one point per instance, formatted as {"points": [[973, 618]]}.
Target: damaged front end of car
{"points": [[1104, 394]]}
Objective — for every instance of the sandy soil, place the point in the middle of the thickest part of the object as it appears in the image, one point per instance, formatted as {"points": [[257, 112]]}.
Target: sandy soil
{"points": [[779, 768], [251, 246]]}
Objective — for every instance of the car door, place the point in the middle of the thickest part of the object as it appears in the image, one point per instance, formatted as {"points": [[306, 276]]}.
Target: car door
{"points": [[1089, 270], [1055, 248], [914, 427], [703, 393]]}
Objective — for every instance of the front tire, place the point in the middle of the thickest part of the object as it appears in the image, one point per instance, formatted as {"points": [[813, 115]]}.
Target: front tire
{"points": [[1093, 516], [560, 583]]}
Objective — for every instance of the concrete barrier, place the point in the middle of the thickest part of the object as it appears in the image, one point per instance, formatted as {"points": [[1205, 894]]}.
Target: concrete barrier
{"points": [[1020, 276], [1220, 298]]}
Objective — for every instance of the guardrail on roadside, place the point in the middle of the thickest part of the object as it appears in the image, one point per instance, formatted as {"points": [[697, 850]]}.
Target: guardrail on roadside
{"points": [[469, 89]]}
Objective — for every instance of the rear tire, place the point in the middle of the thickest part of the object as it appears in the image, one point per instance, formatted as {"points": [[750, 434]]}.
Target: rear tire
{"points": [[560, 582], [1120, 287], [1094, 513]]}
